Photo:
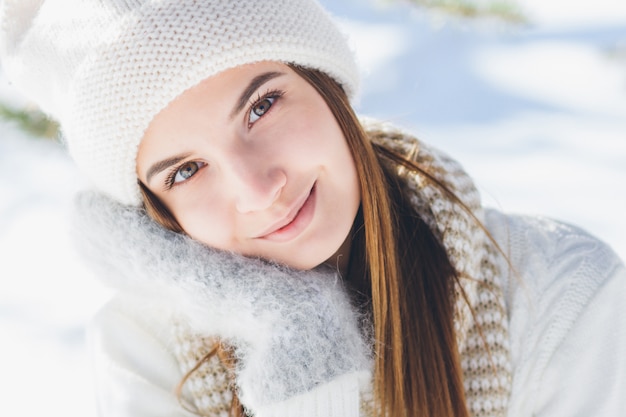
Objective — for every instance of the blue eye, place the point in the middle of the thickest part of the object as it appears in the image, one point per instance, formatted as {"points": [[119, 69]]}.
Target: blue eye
{"points": [[259, 108], [184, 172], [262, 105]]}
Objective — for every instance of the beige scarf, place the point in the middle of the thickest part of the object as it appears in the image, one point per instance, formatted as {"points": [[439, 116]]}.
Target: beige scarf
{"points": [[481, 324]]}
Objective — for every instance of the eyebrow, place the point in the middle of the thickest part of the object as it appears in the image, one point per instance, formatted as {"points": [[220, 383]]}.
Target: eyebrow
{"points": [[254, 84], [163, 164]]}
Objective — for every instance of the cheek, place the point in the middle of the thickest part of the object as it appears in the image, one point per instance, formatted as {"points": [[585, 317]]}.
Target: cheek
{"points": [[308, 132], [315, 118], [207, 219]]}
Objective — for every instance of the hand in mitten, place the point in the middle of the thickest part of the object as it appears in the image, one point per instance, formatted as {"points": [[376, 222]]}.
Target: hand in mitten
{"points": [[294, 332]]}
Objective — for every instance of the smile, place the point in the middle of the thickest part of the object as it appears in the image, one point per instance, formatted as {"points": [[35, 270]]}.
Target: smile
{"points": [[295, 222]]}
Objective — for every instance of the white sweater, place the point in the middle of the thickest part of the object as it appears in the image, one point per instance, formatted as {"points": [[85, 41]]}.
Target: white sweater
{"points": [[567, 324]]}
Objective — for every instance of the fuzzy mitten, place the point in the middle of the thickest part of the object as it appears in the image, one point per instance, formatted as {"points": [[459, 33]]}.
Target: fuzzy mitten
{"points": [[294, 332]]}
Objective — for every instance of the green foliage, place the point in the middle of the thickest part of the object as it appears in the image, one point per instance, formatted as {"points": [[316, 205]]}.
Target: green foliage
{"points": [[32, 121], [504, 10]]}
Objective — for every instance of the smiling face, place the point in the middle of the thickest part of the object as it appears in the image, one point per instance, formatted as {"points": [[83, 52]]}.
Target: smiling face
{"points": [[253, 161]]}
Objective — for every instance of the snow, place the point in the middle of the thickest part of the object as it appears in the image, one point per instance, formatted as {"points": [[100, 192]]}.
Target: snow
{"points": [[536, 114]]}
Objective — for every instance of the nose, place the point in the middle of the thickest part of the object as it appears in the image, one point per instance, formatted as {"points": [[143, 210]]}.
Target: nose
{"points": [[257, 183]]}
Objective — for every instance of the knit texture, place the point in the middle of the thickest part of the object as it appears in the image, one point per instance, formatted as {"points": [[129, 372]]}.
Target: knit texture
{"points": [[292, 331], [213, 373], [481, 322], [105, 68]]}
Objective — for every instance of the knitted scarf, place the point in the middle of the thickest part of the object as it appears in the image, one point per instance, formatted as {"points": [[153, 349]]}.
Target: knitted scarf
{"points": [[481, 319]]}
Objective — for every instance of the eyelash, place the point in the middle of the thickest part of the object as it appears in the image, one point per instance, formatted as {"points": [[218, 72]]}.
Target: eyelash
{"points": [[270, 94], [170, 180]]}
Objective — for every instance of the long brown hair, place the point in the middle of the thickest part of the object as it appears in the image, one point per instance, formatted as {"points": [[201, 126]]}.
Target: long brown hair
{"points": [[398, 269]]}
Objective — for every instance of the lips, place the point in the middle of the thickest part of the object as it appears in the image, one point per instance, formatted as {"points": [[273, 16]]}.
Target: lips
{"points": [[296, 220]]}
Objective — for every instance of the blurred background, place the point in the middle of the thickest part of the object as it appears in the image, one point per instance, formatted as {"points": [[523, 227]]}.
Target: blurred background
{"points": [[530, 96]]}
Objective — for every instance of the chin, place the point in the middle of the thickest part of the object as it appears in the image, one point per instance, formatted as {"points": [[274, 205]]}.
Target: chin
{"points": [[305, 264], [299, 262]]}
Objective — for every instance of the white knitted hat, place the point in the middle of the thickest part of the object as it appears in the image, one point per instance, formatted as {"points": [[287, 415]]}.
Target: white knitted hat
{"points": [[105, 68]]}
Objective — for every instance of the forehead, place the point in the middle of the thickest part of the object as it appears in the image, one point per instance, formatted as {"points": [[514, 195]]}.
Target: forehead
{"points": [[225, 86], [236, 78]]}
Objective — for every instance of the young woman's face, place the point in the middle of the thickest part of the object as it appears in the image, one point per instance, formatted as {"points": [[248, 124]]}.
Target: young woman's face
{"points": [[252, 161]]}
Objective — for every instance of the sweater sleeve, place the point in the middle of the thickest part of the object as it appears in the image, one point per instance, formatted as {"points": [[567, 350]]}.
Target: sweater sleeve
{"points": [[135, 371], [565, 299], [586, 376]]}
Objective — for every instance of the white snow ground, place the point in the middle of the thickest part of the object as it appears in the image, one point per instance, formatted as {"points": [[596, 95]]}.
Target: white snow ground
{"points": [[536, 114]]}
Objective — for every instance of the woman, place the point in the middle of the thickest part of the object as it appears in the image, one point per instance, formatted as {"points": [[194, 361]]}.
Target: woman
{"points": [[276, 256]]}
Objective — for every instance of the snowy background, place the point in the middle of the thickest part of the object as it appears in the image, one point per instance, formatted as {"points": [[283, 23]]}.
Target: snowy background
{"points": [[536, 113]]}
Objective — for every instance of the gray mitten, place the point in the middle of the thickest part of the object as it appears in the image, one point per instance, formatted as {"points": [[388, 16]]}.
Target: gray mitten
{"points": [[295, 333]]}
